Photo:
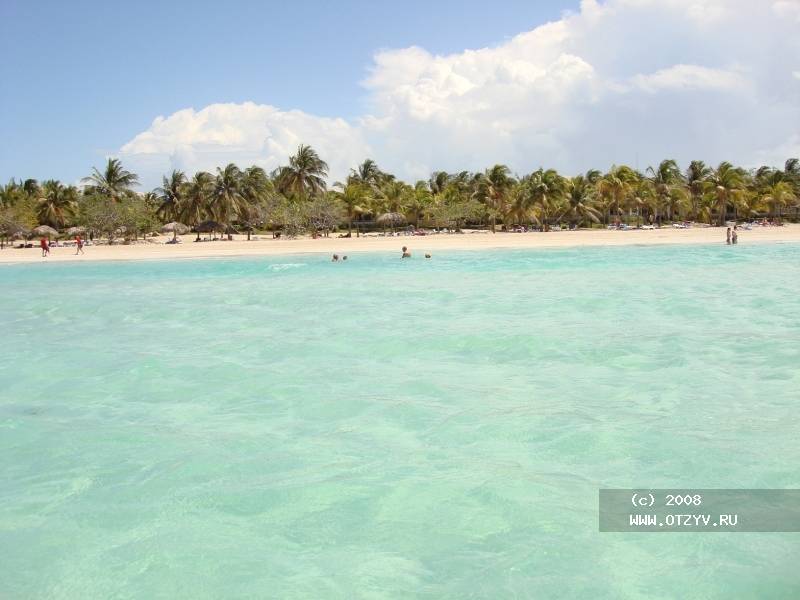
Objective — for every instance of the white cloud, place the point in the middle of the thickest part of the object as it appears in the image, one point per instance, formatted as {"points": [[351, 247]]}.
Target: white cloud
{"points": [[245, 133], [787, 8], [618, 81], [690, 77]]}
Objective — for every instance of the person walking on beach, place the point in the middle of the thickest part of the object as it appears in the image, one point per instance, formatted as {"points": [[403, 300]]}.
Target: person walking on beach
{"points": [[78, 245], [45, 247], [406, 253], [735, 235]]}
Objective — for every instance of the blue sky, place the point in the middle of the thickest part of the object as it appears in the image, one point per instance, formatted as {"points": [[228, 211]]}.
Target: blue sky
{"points": [[415, 85], [82, 78]]}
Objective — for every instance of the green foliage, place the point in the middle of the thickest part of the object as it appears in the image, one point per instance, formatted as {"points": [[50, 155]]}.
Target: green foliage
{"points": [[114, 182], [288, 216], [125, 219], [294, 198], [304, 176], [323, 214]]}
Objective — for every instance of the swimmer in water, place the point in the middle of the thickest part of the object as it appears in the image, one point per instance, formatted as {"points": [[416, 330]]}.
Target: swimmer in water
{"points": [[406, 253]]}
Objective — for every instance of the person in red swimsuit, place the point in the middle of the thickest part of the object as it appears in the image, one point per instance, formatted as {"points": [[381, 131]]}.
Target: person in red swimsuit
{"points": [[79, 244], [45, 247]]}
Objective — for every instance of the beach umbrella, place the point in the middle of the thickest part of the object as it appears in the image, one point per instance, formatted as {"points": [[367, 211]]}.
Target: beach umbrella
{"points": [[175, 228], [45, 230], [12, 231], [391, 218], [76, 231], [209, 227]]}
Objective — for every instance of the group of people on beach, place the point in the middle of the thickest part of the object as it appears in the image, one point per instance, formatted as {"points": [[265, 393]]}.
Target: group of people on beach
{"points": [[732, 236], [45, 244]]}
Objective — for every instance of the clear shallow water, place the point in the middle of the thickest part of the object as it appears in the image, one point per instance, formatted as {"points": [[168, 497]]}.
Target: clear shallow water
{"points": [[293, 428]]}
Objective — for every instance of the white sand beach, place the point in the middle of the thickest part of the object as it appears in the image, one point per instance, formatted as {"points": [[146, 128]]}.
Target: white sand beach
{"points": [[156, 248]]}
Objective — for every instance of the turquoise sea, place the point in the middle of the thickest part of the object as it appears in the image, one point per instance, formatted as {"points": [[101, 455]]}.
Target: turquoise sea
{"points": [[292, 428]]}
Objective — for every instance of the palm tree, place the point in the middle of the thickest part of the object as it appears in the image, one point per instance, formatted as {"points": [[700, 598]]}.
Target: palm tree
{"points": [[304, 176], [666, 180], [114, 182], [226, 199], [438, 182], [546, 190], [393, 196], [420, 201], [10, 194], [493, 190], [580, 195], [256, 189], [367, 173], [696, 179], [773, 190], [791, 172], [725, 184], [56, 204], [194, 204], [354, 196], [615, 188], [644, 199], [32, 188], [170, 195]]}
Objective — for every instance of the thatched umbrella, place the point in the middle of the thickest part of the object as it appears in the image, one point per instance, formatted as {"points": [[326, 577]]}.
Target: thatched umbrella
{"points": [[12, 231], [45, 230], [208, 227], [175, 228], [79, 230], [392, 219]]}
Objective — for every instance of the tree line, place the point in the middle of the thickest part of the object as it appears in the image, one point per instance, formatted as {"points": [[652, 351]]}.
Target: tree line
{"points": [[295, 198]]}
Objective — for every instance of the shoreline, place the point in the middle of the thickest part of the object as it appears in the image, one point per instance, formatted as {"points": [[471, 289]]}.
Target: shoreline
{"points": [[419, 245]]}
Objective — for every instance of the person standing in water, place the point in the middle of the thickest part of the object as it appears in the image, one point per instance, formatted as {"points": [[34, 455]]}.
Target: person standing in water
{"points": [[406, 253], [735, 235], [728, 237]]}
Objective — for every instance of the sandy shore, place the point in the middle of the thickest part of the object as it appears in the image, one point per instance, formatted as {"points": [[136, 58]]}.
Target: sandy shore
{"points": [[266, 246]]}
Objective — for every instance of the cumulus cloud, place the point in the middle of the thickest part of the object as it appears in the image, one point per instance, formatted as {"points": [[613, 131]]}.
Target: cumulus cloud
{"points": [[247, 134], [629, 81]]}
